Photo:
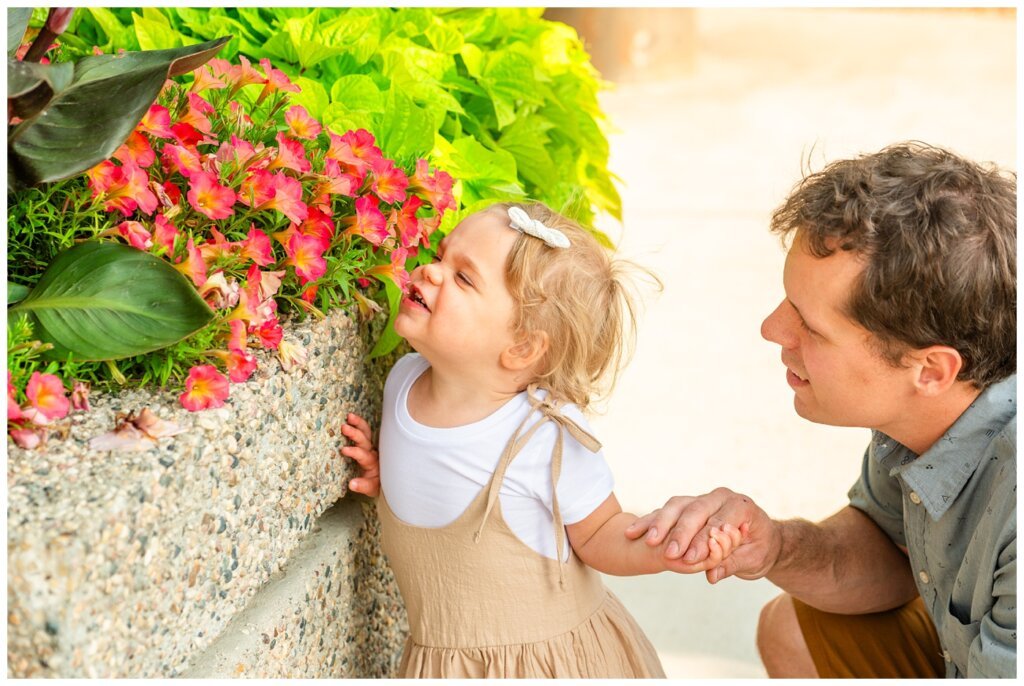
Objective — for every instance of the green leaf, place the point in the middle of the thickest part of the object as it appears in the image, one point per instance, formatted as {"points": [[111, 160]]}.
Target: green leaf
{"points": [[105, 301], [154, 32], [30, 85], [407, 129], [388, 340], [117, 33], [17, 23], [526, 139], [16, 292], [82, 124], [357, 93]]}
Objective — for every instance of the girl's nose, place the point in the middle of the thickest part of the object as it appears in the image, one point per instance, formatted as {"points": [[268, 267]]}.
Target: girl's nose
{"points": [[433, 273], [781, 326]]}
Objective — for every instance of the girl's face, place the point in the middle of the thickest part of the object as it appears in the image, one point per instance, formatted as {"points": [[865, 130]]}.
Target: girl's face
{"points": [[459, 307]]}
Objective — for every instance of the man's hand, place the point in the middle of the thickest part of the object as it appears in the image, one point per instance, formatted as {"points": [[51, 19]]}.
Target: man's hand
{"points": [[688, 525], [358, 431]]}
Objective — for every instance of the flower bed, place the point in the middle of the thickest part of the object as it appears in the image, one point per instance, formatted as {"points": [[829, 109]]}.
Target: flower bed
{"points": [[262, 208]]}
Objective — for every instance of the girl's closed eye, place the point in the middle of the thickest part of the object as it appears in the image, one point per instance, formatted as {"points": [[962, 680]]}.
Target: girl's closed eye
{"points": [[461, 276]]}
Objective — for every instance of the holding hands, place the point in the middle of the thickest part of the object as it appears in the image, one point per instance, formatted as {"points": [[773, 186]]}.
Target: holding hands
{"points": [[691, 530], [721, 533]]}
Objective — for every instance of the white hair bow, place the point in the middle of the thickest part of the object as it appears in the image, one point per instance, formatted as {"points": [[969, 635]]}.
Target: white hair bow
{"points": [[520, 221]]}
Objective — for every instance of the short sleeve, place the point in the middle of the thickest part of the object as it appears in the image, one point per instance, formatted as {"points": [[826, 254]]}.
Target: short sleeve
{"points": [[880, 497], [586, 480]]}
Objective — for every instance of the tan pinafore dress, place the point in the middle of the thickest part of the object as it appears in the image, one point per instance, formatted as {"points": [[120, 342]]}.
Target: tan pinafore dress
{"points": [[483, 604]]}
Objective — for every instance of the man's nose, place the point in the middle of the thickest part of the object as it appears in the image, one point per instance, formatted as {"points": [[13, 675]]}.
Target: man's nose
{"points": [[780, 326]]}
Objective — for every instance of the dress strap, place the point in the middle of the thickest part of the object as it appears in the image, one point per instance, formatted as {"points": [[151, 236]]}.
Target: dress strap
{"points": [[550, 410]]}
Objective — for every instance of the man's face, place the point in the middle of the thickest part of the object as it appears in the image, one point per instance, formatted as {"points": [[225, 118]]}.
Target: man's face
{"points": [[836, 374]]}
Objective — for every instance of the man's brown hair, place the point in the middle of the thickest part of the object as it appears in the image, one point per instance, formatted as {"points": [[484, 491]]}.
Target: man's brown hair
{"points": [[938, 236]]}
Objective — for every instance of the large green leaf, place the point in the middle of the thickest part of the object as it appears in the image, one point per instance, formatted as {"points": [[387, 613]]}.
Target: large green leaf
{"points": [[17, 23], [16, 292], [87, 120], [105, 301]]}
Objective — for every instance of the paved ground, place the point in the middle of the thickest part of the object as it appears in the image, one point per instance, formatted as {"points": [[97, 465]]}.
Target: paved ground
{"points": [[704, 159]]}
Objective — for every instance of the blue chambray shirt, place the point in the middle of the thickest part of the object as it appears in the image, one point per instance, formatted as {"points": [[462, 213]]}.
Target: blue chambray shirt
{"points": [[955, 510]]}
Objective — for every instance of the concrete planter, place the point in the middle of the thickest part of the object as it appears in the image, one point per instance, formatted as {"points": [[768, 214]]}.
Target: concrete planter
{"points": [[227, 550]]}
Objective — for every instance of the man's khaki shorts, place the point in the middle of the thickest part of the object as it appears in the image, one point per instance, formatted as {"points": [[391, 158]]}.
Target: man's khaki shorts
{"points": [[892, 644]]}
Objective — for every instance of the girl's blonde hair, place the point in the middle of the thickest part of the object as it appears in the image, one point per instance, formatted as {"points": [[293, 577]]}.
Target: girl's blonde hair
{"points": [[580, 297]]}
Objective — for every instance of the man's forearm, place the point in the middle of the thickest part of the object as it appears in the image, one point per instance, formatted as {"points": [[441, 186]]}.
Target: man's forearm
{"points": [[845, 564]]}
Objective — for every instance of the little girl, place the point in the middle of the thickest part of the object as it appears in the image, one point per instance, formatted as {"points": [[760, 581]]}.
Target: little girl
{"points": [[514, 326]]}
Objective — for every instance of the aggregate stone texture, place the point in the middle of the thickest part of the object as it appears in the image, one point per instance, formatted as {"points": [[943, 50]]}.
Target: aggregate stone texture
{"points": [[329, 613], [128, 564]]}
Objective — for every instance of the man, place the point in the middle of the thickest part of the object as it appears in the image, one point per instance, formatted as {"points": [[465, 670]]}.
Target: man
{"points": [[899, 316]]}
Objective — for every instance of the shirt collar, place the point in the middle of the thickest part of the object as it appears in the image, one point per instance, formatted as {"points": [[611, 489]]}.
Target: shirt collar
{"points": [[939, 475]]}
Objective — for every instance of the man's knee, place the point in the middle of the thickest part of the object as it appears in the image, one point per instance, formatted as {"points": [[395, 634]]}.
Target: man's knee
{"points": [[781, 643]]}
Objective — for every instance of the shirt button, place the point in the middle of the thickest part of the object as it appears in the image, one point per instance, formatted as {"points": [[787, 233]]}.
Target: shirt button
{"points": [[915, 498], [923, 575]]}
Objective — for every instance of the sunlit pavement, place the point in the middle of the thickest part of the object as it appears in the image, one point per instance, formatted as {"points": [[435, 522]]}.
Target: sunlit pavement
{"points": [[705, 157]]}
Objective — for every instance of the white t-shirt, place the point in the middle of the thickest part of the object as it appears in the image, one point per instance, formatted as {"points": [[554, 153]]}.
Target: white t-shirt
{"points": [[431, 475]]}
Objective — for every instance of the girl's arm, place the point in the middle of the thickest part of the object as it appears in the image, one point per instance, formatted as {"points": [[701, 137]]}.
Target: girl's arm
{"points": [[600, 542]]}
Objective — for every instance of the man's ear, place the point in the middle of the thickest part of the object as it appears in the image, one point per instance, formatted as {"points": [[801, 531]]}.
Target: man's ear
{"points": [[526, 352], [937, 369]]}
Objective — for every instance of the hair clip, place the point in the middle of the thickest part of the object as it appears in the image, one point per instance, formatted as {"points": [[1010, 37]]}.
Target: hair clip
{"points": [[520, 221]]}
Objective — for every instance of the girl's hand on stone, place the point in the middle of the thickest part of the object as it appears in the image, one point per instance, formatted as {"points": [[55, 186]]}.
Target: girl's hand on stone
{"points": [[358, 431]]}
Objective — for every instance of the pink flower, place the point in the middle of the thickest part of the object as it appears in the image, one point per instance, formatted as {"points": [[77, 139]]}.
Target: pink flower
{"points": [[389, 182], [196, 116], [164, 233], [157, 122], [334, 182], [290, 155], [354, 148], [27, 439], [406, 222], [256, 247], [136, 234], [306, 254], [240, 364], [394, 270], [237, 339], [46, 394], [209, 197], [184, 160], [319, 225], [205, 388], [276, 80], [269, 333], [193, 266], [124, 188], [292, 355], [136, 150], [205, 80], [218, 293], [218, 247], [437, 189], [13, 409], [301, 124], [369, 221], [80, 396], [263, 190]]}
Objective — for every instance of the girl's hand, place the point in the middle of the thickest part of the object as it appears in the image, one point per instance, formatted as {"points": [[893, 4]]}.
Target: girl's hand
{"points": [[358, 431]]}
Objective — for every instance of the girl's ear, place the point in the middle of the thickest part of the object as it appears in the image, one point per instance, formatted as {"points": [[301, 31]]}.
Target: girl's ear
{"points": [[526, 352]]}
